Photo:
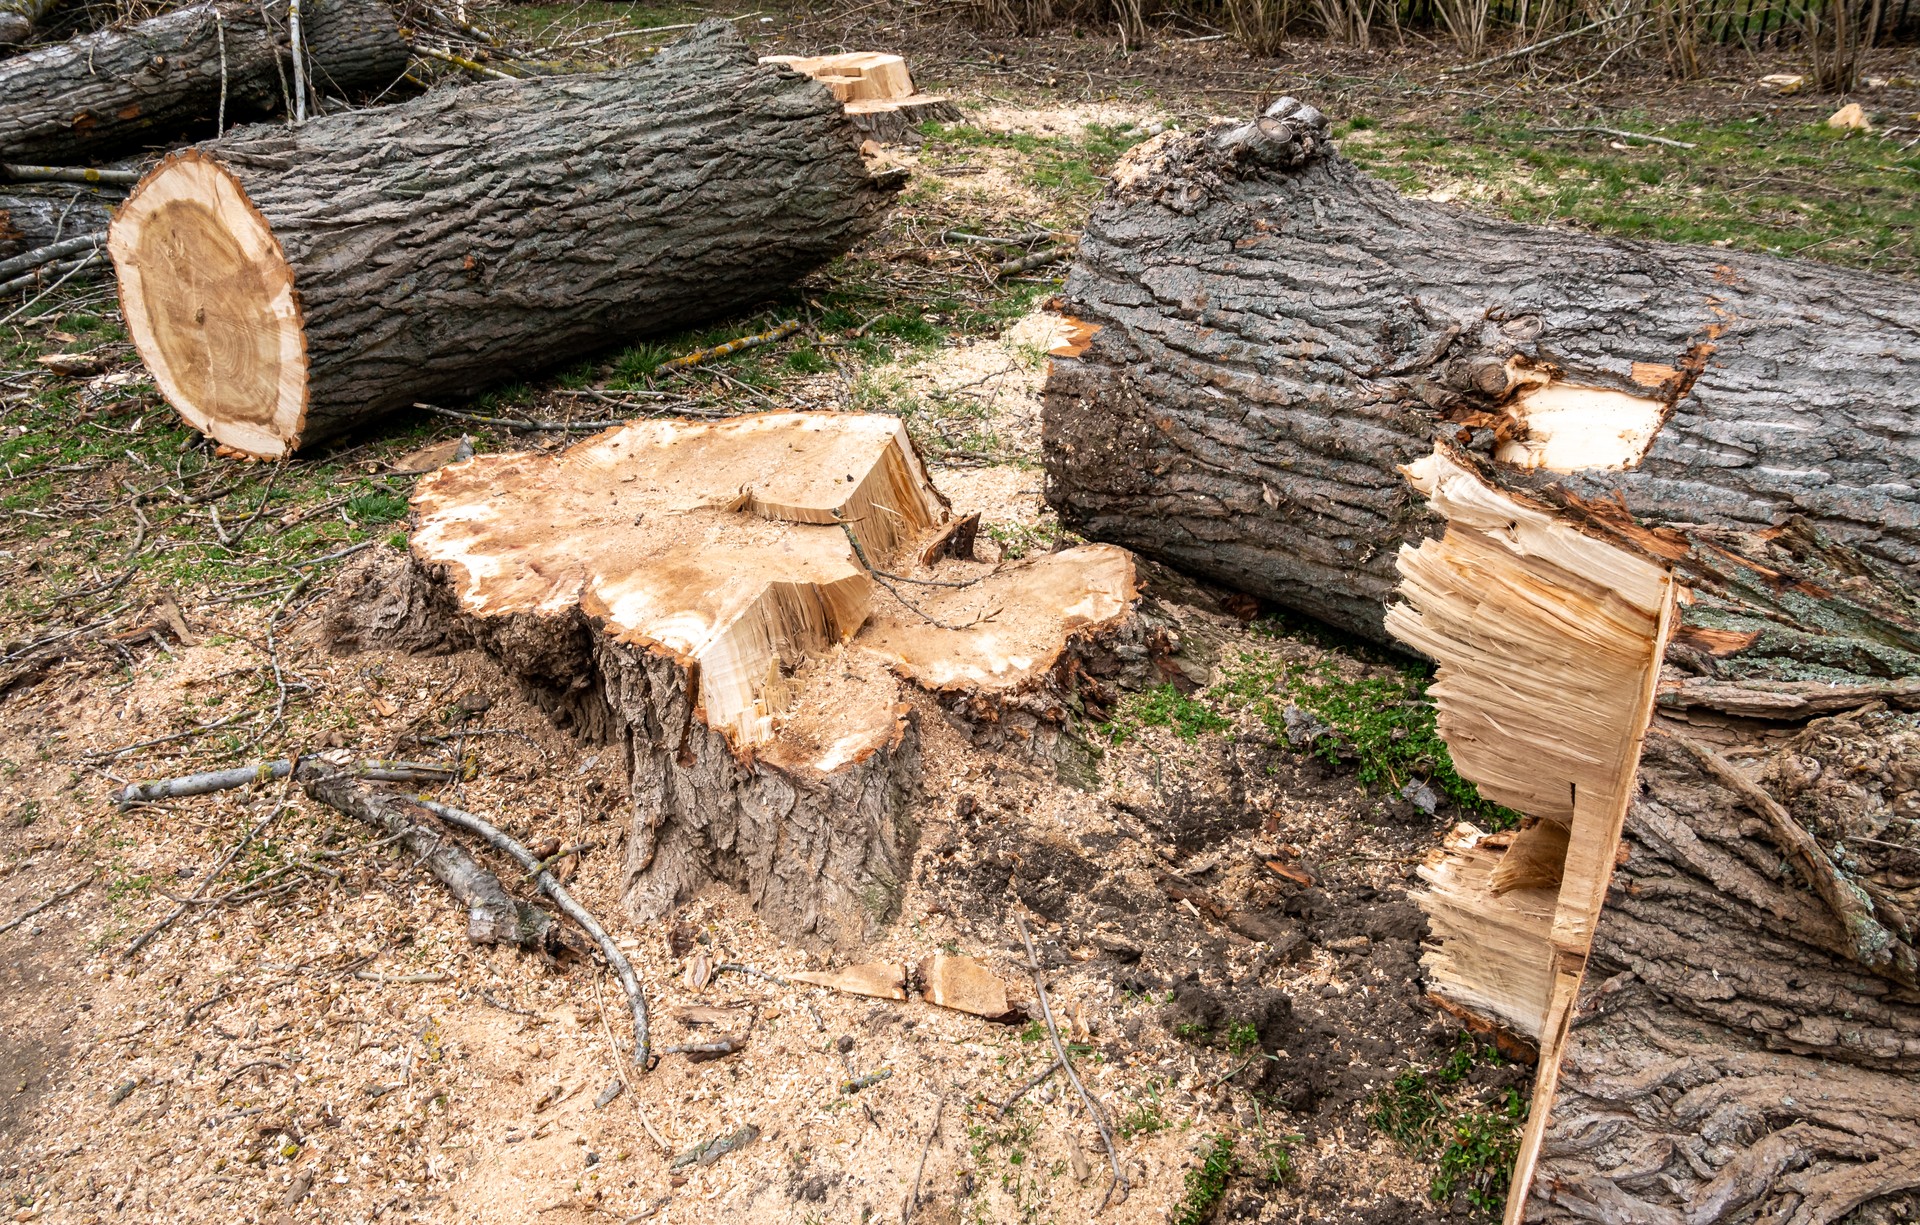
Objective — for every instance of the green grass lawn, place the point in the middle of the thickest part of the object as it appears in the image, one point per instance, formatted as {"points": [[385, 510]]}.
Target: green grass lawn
{"points": [[1764, 184]]}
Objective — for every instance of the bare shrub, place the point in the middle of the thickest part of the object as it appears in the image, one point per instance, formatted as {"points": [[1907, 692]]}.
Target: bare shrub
{"points": [[1349, 21], [1838, 34], [1466, 21], [1261, 25]]}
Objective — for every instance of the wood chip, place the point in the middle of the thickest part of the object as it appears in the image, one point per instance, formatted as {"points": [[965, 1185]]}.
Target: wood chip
{"points": [[885, 980], [963, 984]]}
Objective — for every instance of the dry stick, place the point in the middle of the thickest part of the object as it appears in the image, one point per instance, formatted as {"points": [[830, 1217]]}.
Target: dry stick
{"points": [[220, 115], [68, 174], [1873, 945], [688, 361], [48, 254], [1033, 1082], [299, 68], [1060, 1053], [620, 1068], [1530, 48], [219, 870], [1652, 140], [460, 61], [55, 900], [266, 771], [880, 576], [67, 271], [913, 1197], [622, 968]]}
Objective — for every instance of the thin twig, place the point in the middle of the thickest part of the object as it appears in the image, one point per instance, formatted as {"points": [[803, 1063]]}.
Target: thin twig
{"points": [[1032, 1083], [299, 67], [913, 1197], [521, 423], [1652, 140], [622, 968], [69, 174], [1060, 1052]]}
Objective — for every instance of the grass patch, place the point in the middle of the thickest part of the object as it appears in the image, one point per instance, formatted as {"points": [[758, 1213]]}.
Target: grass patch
{"points": [[1207, 1184], [1164, 706], [1071, 169], [1768, 184], [1381, 725], [1431, 1114]]}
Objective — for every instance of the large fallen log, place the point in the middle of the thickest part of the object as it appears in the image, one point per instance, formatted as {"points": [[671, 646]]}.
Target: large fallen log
{"points": [[119, 89], [1655, 513], [283, 286], [740, 608]]}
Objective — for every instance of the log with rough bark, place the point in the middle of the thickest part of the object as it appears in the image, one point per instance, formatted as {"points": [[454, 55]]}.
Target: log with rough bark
{"points": [[283, 286], [1654, 512], [33, 216], [741, 608], [120, 89]]}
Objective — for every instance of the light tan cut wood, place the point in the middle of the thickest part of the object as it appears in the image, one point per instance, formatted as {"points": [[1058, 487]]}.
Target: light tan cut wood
{"points": [[963, 984], [857, 76], [744, 604], [876, 89], [209, 303], [885, 980]]}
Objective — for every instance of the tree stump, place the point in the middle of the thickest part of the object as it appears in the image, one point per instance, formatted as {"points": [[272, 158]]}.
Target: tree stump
{"points": [[740, 607], [119, 89], [284, 285], [1665, 573]]}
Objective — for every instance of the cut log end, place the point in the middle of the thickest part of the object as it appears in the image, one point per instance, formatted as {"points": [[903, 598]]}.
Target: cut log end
{"points": [[210, 304]]}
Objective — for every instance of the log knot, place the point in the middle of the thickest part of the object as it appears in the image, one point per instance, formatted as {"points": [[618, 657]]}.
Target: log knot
{"points": [[1290, 133]]}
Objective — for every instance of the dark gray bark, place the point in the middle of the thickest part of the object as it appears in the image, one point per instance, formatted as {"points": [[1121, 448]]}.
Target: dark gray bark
{"points": [[1276, 338], [1278, 333], [32, 216], [117, 90], [443, 244], [1729, 1058]]}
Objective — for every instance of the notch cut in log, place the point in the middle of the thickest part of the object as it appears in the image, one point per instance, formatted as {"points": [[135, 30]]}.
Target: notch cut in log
{"points": [[739, 606], [120, 89], [284, 286], [876, 89], [1664, 576]]}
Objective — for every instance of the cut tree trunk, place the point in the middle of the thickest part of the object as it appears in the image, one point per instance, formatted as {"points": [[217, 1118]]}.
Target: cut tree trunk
{"points": [[740, 607], [120, 89], [1671, 580], [283, 286], [33, 216]]}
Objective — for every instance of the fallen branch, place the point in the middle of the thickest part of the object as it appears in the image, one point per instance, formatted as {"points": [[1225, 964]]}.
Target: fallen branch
{"points": [[493, 916], [1032, 1083], [698, 356], [1652, 140], [622, 968], [461, 61], [1060, 1052], [68, 174], [371, 770], [49, 254], [1531, 48], [913, 1196], [1027, 263]]}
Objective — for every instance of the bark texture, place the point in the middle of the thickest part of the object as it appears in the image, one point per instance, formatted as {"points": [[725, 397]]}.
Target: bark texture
{"points": [[438, 246], [1278, 335], [1730, 1059], [1278, 332], [117, 90], [34, 217]]}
